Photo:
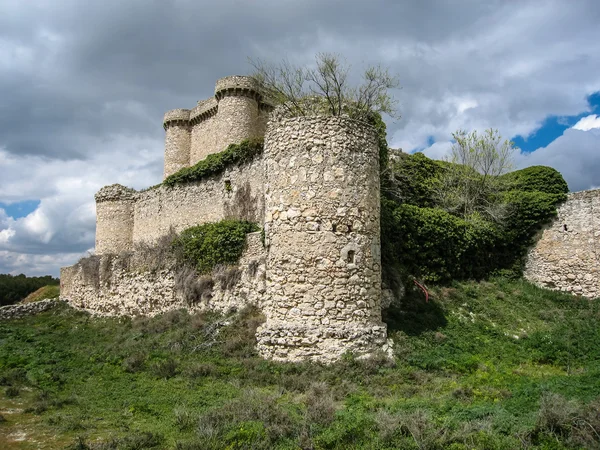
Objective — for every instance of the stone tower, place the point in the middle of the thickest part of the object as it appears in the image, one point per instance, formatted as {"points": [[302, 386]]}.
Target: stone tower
{"points": [[322, 237], [114, 219], [177, 140]]}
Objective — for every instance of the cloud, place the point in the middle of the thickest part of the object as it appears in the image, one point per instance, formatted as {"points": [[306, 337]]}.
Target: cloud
{"points": [[575, 154], [84, 86], [588, 123]]}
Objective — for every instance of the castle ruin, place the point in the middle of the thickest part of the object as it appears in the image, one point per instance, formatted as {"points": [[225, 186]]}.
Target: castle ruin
{"points": [[315, 192]]}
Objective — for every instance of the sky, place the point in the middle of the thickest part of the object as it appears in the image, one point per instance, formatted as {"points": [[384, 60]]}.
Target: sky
{"points": [[84, 86]]}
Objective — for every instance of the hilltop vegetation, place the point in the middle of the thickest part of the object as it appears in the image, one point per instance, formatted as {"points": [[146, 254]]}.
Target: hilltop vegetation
{"points": [[14, 288], [498, 364], [420, 238]]}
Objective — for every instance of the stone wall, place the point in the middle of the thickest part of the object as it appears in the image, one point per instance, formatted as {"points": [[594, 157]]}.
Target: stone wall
{"points": [[123, 285], [322, 235], [126, 217], [566, 255], [26, 309]]}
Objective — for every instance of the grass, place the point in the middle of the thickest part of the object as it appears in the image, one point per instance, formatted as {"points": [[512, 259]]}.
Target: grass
{"points": [[491, 365], [43, 293]]}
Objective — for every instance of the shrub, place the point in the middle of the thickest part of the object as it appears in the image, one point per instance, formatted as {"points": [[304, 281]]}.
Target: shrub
{"points": [[537, 179], [217, 162], [134, 363], [437, 246], [204, 246], [414, 178], [166, 368], [320, 407]]}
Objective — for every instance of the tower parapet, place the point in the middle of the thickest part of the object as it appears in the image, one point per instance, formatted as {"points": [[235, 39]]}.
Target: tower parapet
{"points": [[114, 219]]}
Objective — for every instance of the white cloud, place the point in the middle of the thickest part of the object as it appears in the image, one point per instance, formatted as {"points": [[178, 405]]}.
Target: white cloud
{"points": [[588, 123], [575, 154]]}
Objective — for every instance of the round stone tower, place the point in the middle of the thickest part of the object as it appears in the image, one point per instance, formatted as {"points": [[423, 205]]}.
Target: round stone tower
{"points": [[114, 219], [323, 240], [238, 99], [177, 140]]}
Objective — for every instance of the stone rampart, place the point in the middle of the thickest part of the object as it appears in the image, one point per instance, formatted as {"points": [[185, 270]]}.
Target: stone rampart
{"points": [[322, 235], [27, 309], [126, 217], [123, 285], [238, 193], [566, 256]]}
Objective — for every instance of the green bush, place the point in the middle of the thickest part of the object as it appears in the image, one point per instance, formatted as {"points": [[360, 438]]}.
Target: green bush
{"points": [[207, 245], [421, 240], [437, 246], [414, 178], [538, 179], [217, 162]]}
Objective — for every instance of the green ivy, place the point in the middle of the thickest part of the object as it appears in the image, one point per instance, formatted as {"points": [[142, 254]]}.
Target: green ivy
{"points": [[204, 246], [538, 179], [427, 242], [217, 162], [415, 177]]}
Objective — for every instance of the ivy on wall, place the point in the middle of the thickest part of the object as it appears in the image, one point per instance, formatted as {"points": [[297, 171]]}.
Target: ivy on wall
{"points": [[217, 162], [427, 242], [207, 245]]}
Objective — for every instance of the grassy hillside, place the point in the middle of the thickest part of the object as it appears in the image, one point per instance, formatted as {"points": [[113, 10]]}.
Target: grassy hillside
{"points": [[487, 365], [43, 293], [14, 288]]}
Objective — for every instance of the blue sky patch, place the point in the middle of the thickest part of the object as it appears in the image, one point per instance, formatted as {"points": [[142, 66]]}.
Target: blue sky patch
{"points": [[20, 209], [554, 126]]}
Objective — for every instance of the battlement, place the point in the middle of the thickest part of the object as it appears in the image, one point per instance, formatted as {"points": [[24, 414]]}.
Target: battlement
{"points": [[236, 112], [237, 85], [174, 117]]}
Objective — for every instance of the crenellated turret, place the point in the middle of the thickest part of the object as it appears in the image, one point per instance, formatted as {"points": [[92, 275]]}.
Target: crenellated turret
{"points": [[177, 140], [114, 219]]}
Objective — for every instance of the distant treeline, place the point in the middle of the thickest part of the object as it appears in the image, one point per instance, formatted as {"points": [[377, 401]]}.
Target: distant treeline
{"points": [[16, 287]]}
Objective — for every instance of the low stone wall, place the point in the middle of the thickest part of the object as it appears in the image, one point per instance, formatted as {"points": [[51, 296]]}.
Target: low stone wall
{"points": [[119, 285], [566, 256], [27, 309]]}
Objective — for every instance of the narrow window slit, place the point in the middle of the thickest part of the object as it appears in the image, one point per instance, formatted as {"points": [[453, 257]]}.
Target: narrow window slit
{"points": [[351, 254]]}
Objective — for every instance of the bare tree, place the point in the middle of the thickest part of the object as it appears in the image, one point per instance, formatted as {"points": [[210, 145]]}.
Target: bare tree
{"points": [[471, 182], [325, 88]]}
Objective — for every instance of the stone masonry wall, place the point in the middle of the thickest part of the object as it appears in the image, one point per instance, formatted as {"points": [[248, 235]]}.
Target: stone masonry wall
{"points": [[20, 310], [118, 285], [322, 235], [126, 217], [566, 256], [237, 192]]}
